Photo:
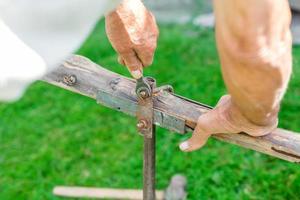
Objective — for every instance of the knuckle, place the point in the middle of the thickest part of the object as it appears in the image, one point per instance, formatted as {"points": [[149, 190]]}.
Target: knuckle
{"points": [[133, 68], [125, 52], [133, 65], [147, 59], [120, 60], [151, 48], [133, 62], [147, 63]]}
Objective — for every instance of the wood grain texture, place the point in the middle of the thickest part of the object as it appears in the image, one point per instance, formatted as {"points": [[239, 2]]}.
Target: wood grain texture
{"points": [[102, 193], [171, 111]]}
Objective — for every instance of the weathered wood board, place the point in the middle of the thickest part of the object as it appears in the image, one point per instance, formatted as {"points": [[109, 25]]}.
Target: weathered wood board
{"points": [[171, 111], [102, 193]]}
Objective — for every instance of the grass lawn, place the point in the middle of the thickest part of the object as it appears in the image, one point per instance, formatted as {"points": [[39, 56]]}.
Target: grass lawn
{"points": [[53, 137]]}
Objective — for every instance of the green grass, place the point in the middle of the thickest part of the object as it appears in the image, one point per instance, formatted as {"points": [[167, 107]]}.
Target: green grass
{"points": [[53, 137]]}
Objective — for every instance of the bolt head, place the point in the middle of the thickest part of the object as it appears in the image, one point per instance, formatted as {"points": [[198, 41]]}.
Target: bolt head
{"points": [[142, 124], [70, 80], [143, 94]]}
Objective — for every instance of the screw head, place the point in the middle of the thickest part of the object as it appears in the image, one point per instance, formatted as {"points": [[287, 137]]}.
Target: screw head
{"points": [[142, 124], [70, 80], [143, 94]]}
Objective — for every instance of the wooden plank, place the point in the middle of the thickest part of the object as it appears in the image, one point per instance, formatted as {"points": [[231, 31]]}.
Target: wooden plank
{"points": [[102, 193], [173, 112]]}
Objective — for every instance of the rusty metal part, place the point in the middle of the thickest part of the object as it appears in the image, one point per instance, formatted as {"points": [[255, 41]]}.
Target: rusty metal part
{"points": [[70, 80], [141, 124], [129, 106], [145, 125], [145, 110], [149, 166], [143, 89]]}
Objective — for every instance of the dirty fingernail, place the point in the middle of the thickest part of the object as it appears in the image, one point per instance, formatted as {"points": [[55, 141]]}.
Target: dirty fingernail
{"points": [[136, 74], [184, 146]]}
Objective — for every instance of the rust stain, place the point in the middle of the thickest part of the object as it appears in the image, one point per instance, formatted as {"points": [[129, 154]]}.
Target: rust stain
{"points": [[285, 153]]}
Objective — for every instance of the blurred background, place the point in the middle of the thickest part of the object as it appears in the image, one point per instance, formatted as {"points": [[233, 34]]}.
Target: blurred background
{"points": [[54, 137]]}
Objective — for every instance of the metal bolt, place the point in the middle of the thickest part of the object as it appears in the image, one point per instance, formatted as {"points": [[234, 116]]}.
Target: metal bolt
{"points": [[143, 94], [142, 124], [70, 80]]}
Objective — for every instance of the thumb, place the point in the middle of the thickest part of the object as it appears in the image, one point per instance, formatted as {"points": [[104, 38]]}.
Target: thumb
{"points": [[198, 139], [133, 64], [208, 124]]}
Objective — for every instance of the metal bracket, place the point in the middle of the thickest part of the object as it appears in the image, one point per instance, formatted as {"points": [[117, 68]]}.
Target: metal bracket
{"points": [[145, 125], [145, 111], [119, 102]]}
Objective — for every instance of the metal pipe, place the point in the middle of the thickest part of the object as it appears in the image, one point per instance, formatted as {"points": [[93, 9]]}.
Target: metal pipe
{"points": [[149, 166]]}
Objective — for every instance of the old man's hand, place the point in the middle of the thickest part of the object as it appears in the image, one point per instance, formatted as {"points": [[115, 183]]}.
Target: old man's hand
{"points": [[133, 33], [225, 118]]}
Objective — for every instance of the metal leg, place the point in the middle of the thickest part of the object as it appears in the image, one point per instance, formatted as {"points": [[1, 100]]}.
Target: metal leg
{"points": [[175, 191], [145, 90], [149, 167]]}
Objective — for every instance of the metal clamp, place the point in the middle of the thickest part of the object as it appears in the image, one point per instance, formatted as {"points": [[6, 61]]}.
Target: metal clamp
{"points": [[145, 112], [145, 125]]}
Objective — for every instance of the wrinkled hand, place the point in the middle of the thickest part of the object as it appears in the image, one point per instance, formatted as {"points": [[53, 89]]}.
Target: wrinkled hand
{"points": [[225, 118], [133, 33]]}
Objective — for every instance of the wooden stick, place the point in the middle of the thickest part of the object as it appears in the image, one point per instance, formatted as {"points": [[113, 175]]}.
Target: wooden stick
{"points": [[102, 193], [172, 112]]}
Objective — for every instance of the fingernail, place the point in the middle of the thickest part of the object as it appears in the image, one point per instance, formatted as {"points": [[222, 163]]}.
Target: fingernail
{"points": [[136, 74], [184, 146]]}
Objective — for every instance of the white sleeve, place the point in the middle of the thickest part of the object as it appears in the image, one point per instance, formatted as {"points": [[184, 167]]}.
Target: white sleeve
{"points": [[19, 65], [38, 35], [54, 29]]}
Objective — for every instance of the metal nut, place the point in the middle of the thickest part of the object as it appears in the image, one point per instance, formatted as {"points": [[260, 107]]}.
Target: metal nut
{"points": [[70, 80], [143, 94], [142, 124]]}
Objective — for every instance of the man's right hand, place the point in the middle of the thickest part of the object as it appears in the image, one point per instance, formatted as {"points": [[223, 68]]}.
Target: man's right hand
{"points": [[224, 118], [133, 33], [254, 45]]}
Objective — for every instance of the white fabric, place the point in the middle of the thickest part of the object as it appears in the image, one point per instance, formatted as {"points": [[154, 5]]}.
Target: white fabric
{"points": [[35, 35]]}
